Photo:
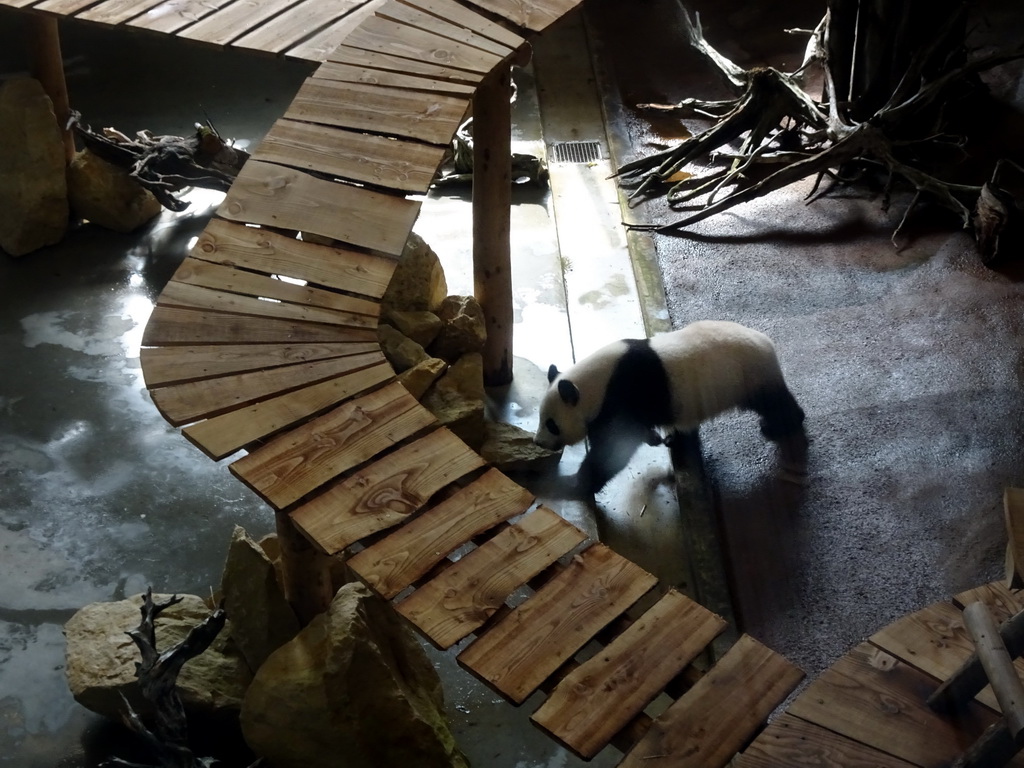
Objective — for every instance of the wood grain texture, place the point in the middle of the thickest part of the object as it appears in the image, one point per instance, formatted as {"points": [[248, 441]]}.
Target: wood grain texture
{"points": [[406, 555], [350, 73], [389, 37], [296, 24], [174, 325], [194, 400], [178, 294], [517, 654], [174, 15], [1001, 600], [359, 57], [720, 713], [299, 462], [406, 166], [935, 641], [261, 250], [871, 697], [224, 278], [222, 435], [440, 26], [386, 492], [117, 11], [534, 15], [463, 16], [172, 365], [64, 7], [788, 742], [460, 599], [232, 21], [264, 193], [599, 698], [431, 118], [319, 46]]}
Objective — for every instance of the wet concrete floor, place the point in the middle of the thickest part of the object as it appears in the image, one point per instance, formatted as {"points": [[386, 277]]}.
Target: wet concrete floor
{"points": [[907, 361]]}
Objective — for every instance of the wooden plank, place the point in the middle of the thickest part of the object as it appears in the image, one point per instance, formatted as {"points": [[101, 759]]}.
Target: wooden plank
{"points": [[298, 462], [789, 741], [432, 118], [442, 27], [283, 197], [117, 11], [18, 3], [358, 57], [173, 15], [1013, 514], [173, 325], [538, 636], [349, 73], [383, 36], [393, 563], [407, 166], [385, 493], [871, 697], [460, 14], [223, 435], [232, 21], [224, 242], [1001, 600], [194, 400], [720, 713], [319, 46], [172, 365], [599, 698], [177, 294], [534, 15], [223, 277], [64, 7], [296, 24], [935, 641], [463, 597]]}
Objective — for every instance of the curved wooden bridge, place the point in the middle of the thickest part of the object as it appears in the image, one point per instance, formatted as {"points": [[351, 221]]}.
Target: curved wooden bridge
{"points": [[288, 374]]}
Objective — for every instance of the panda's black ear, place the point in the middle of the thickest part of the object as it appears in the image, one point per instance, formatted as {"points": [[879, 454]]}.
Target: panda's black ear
{"points": [[570, 394], [552, 373]]}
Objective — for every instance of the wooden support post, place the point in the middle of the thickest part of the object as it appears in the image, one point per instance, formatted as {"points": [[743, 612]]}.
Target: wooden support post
{"points": [[305, 571], [998, 668], [492, 203], [1013, 512], [47, 66]]}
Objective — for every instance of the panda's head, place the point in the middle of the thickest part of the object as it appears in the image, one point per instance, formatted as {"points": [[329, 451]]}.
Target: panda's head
{"points": [[562, 420]]}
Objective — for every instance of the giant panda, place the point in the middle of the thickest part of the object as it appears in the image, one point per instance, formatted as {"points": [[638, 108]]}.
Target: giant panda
{"points": [[617, 396]]}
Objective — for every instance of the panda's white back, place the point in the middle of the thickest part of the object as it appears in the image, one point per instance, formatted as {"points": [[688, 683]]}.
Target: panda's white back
{"points": [[713, 366]]}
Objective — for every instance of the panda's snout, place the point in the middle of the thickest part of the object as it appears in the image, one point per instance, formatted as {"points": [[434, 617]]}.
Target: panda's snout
{"points": [[548, 442]]}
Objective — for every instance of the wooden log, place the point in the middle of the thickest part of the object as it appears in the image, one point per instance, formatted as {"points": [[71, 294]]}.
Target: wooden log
{"points": [[492, 201], [998, 666], [305, 571], [970, 678], [994, 748], [47, 66]]}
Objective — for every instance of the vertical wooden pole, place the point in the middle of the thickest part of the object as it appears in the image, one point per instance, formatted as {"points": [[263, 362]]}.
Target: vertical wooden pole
{"points": [[492, 203], [47, 66], [307, 577]]}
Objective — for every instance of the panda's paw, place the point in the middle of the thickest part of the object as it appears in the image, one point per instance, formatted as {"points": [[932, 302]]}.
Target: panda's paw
{"points": [[653, 438]]}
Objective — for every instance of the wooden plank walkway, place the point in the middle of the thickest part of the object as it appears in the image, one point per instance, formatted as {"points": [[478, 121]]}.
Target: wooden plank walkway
{"points": [[264, 342]]}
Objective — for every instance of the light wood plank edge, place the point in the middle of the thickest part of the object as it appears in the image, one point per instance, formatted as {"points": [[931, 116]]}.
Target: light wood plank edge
{"points": [[410, 15]]}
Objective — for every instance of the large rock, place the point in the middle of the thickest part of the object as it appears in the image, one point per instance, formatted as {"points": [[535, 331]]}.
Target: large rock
{"points": [[261, 618], [354, 688], [419, 378], [101, 658], [463, 329], [33, 177], [418, 282], [422, 327], [401, 351], [457, 399], [107, 195], [511, 449]]}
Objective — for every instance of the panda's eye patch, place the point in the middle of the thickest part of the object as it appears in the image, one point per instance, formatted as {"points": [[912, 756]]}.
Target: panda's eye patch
{"points": [[552, 427]]}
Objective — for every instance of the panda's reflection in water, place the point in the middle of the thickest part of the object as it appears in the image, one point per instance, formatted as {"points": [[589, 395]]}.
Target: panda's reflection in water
{"points": [[620, 396]]}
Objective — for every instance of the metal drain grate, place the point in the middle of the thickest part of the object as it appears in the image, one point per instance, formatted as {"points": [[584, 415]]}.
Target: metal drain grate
{"points": [[576, 152]]}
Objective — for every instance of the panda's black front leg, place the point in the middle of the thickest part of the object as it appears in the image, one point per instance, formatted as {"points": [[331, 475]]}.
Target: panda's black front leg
{"points": [[612, 445]]}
